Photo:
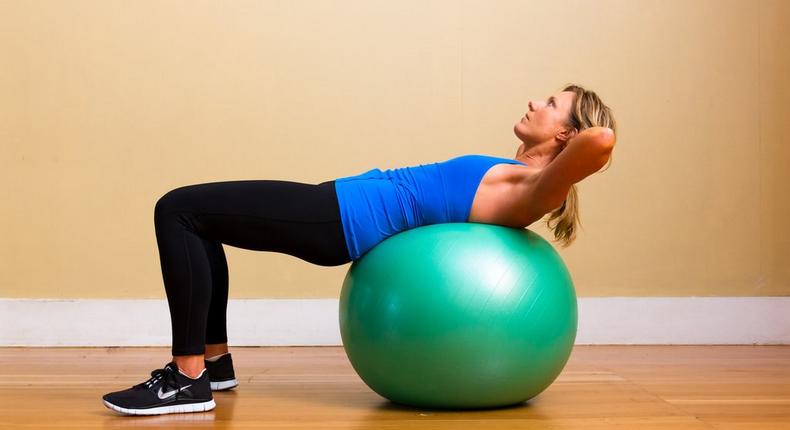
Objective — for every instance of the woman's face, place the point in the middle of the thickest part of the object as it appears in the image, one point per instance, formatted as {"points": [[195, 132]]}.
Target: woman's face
{"points": [[545, 118]]}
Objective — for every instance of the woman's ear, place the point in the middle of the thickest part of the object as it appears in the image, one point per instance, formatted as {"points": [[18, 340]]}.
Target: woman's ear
{"points": [[566, 135]]}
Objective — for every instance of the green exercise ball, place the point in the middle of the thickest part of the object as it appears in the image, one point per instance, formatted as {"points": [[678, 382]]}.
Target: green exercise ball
{"points": [[459, 316]]}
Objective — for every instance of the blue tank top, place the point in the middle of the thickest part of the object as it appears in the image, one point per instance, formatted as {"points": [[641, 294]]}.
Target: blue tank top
{"points": [[378, 204]]}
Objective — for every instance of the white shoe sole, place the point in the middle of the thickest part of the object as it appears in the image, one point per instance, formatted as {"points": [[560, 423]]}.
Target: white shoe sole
{"points": [[175, 409], [224, 385]]}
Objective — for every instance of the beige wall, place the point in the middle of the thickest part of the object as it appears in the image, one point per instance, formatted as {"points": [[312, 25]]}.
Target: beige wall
{"points": [[107, 105]]}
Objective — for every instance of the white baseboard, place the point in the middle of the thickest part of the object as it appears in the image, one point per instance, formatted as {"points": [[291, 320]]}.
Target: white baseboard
{"points": [[259, 322]]}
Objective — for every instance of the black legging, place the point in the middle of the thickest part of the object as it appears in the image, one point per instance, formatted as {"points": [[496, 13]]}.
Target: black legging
{"points": [[193, 222]]}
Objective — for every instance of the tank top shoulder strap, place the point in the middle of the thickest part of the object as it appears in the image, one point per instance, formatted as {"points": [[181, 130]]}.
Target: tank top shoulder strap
{"points": [[461, 177]]}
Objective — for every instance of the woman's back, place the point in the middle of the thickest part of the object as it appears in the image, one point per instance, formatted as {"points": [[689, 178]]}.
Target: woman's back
{"points": [[377, 204]]}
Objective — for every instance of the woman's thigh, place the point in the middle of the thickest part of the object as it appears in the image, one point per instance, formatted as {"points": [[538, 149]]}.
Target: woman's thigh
{"points": [[295, 218]]}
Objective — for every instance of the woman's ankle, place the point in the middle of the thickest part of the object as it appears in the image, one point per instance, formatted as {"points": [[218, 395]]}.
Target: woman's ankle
{"points": [[215, 349], [190, 365]]}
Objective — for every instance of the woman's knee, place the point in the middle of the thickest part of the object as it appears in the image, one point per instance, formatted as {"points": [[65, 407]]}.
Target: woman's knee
{"points": [[174, 201]]}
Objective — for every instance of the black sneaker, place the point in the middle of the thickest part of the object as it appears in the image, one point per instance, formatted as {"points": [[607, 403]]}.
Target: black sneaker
{"points": [[220, 373], [167, 391]]}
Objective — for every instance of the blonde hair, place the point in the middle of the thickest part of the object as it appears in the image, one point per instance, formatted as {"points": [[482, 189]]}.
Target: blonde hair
{"points": [[587, 111]]}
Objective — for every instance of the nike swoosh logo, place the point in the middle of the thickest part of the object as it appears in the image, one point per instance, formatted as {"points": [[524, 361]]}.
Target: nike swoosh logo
{"points": [[163, 396]]}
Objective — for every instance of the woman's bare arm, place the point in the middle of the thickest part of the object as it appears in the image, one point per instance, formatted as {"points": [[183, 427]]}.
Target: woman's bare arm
{"points": [[584, 155]]}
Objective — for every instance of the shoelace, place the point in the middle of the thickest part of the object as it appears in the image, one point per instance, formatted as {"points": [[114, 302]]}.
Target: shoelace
{"points": [[159, 374]]}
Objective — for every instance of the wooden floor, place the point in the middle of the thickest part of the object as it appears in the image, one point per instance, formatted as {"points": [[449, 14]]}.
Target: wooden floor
{"points": [[602, 387]]}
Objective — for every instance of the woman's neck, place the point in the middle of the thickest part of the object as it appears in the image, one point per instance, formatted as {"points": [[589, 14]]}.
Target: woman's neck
{"points": [[537, 156]]}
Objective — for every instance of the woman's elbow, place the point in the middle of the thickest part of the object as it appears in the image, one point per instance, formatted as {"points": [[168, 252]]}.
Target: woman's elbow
{"points": [[605, 137]]}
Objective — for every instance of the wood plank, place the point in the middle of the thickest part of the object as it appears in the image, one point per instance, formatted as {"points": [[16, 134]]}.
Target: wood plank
{"points": [[602, 387]]}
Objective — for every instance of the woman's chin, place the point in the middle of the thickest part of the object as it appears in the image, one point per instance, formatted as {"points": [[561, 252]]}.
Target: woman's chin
{"points": [[518, 130]]}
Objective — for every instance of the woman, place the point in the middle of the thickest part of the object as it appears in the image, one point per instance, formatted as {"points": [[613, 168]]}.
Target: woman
{"points": [[565, 138]]}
